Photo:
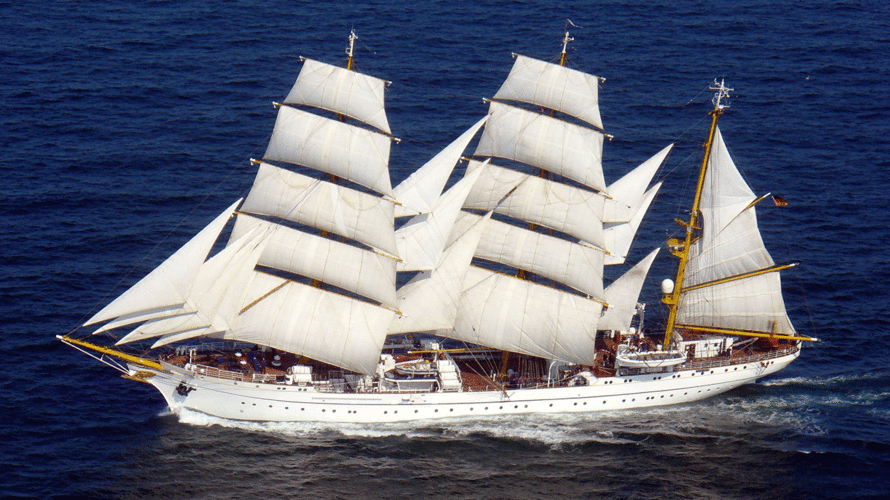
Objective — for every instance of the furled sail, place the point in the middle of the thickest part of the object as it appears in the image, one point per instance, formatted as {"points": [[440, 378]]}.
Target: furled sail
{"points": [[728, 281], [554, 87], [342, 91]]}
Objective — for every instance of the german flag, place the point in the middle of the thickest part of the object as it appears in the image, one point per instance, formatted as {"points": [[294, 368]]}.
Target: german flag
{"points": [[779, 201]]}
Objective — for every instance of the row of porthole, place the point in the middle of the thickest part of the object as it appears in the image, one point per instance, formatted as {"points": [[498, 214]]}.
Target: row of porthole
{"points": [[436, 410]]}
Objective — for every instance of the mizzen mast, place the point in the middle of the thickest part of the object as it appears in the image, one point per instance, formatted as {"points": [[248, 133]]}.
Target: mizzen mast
{"points": [[681, 248]]}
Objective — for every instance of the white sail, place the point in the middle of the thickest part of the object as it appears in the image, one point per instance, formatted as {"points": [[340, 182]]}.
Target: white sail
{"points": [[730, 247], [216, 296], [725, 194], [203, 331], [139, 317], [420, 191], [561, 207], [736, 250], [506, 313], [751, 304], [577, 266], [423, 238], [619, 236], [622, 295], [168, 284], [346, 212], [330, 146], [430, 300], [541, 141], [306, 320], [342, 91], [351, 268], [629, 191], [553, 86]]}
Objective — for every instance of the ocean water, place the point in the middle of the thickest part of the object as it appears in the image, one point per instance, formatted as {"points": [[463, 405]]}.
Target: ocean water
{"points": [[126, 126]]}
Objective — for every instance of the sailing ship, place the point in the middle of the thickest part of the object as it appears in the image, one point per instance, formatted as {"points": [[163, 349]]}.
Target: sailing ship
{"points": [[339, 298]]}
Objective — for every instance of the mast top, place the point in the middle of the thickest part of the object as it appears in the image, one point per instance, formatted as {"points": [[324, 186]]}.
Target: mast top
{"points": [[722, 92], [350, 51], [565, 41]]}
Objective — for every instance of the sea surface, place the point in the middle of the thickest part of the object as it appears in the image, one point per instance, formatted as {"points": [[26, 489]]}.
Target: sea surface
{"points": [[126, 126]]}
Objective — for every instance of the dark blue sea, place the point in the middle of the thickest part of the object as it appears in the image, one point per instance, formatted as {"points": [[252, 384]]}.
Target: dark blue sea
{"points": [[126, 126]]}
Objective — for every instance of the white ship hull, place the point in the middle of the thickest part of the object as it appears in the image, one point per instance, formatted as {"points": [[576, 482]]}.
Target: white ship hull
{"points": [[239, 400]]}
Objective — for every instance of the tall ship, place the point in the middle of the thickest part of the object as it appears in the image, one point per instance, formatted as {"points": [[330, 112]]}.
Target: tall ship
{"points": [[328, 295]]}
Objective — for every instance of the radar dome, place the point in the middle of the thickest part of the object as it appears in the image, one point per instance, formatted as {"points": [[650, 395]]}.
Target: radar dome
{"points": [[667, 286]]}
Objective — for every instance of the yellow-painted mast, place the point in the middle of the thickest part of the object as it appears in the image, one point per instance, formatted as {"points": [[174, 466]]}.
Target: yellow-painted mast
{"points": [[673, 300]]}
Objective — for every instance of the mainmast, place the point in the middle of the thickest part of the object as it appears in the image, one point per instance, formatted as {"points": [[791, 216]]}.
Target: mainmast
{"points": [[681, 248]]}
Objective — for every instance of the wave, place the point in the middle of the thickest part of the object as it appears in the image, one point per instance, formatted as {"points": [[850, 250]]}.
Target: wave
{"points": [[825, 381]]}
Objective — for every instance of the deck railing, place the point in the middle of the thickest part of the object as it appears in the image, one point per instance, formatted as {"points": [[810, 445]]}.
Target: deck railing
{"points": [[212, 371]]}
